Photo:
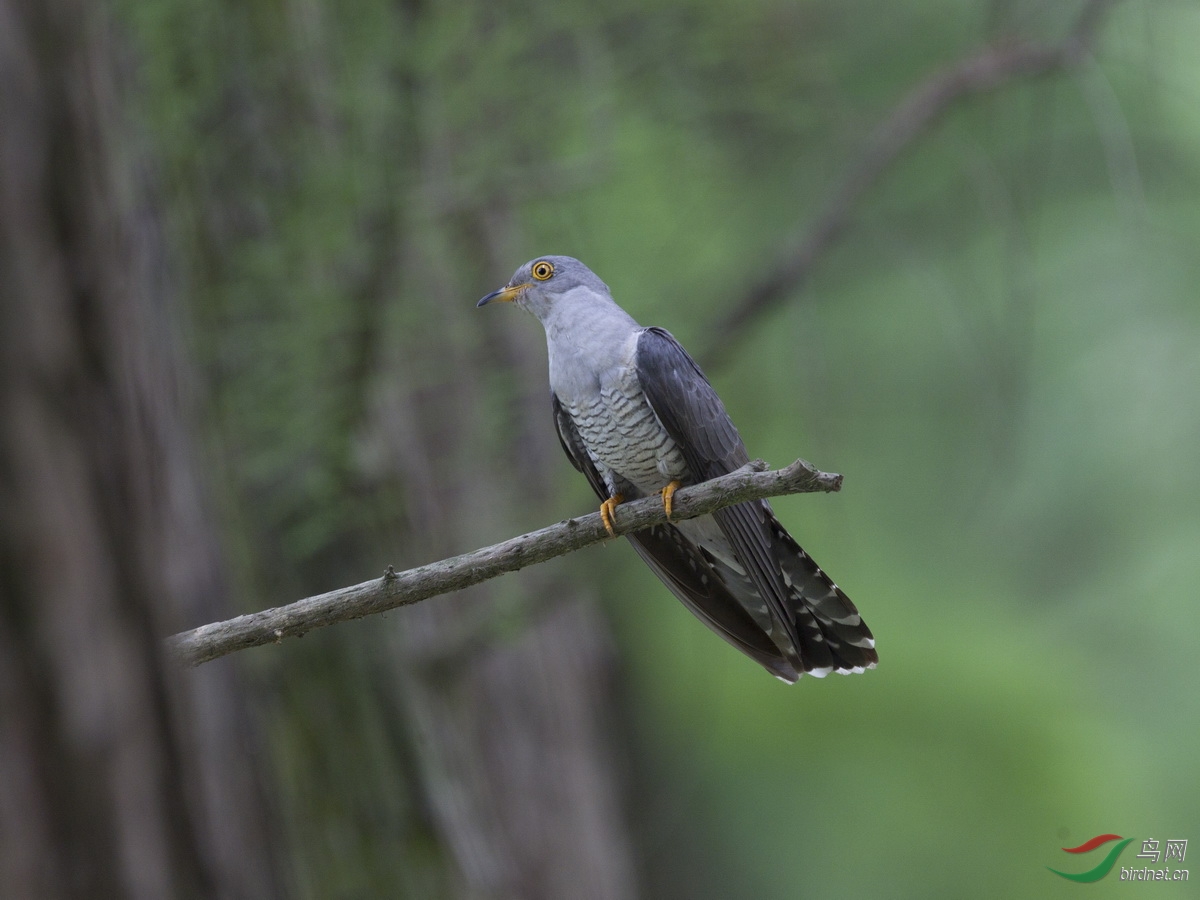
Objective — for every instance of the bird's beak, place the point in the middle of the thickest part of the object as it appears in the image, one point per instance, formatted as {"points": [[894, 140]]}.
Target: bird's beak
{"points": [[507, 294]]}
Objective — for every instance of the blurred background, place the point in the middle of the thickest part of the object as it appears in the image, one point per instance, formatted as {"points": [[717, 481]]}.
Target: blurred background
{"points": [[242, 244]]}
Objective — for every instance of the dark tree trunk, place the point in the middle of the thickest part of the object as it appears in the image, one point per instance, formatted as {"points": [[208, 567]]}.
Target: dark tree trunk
{"points": [[121, 776]]}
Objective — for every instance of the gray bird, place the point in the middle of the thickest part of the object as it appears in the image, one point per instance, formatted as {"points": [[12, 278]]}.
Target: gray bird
{"points": [[637, 416]]}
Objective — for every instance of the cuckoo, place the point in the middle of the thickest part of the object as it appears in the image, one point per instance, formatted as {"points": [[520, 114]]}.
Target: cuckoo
{"points": [[636, 415]]}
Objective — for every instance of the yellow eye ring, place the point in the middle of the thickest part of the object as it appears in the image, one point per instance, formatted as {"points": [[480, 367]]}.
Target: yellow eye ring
{"points": [[542, 270]]}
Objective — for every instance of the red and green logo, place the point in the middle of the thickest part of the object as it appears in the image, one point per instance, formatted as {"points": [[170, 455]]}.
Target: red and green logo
{"points": [[1105, 865]]}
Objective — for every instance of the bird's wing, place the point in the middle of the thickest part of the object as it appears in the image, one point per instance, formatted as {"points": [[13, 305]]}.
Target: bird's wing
{"points": [[815, 624], [694, 416], [687, 406], [682, 567]]}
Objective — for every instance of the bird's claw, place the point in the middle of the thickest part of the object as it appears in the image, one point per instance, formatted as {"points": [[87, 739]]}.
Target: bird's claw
{"points": [[606, 512], [668, 493]]}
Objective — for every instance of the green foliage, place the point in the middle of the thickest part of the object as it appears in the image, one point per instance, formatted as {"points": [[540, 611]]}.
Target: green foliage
{"points": [[1001, 357]]}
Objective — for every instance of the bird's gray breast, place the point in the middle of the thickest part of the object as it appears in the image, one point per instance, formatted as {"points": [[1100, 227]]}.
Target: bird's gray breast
{"points": [[598, 388]]}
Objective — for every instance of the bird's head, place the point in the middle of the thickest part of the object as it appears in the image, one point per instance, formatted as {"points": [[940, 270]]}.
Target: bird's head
{"points": [[546, 282]]}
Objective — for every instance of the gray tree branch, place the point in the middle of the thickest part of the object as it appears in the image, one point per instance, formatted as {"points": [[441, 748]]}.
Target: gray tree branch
{"points": [[984, 71], [270, 626]]}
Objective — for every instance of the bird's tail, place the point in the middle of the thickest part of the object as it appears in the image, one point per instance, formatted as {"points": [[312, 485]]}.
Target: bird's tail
{"points": [[833, 636]]}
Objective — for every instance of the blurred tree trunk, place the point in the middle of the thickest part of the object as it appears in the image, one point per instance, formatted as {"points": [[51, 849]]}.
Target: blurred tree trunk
{"points": [[505, 691], [370, 415], [122, 777]]}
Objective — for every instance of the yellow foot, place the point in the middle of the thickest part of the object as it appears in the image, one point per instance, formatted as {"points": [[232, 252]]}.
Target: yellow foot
{"points": [[669, 492], [606, 512]]}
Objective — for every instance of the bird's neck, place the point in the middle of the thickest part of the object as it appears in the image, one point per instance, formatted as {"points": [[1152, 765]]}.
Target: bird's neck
{"points": [[583, 319], [587, 335]]}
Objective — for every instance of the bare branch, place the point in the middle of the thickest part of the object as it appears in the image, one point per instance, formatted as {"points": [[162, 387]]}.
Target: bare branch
{"points": [[270, 626], [987, 70]]}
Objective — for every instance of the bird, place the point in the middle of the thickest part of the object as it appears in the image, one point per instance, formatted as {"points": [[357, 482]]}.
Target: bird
{"points": [[636, 415]]}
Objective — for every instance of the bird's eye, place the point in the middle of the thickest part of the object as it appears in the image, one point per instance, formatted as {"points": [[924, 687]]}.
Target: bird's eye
{"points": [[542, 270]]}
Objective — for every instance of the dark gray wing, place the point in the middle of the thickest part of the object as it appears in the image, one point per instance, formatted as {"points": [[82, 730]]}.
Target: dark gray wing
{"points": [[688, 406], [814, 624], [682, 567], [695, 418]]}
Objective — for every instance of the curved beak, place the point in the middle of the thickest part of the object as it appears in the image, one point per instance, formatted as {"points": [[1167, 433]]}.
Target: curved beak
{"points": [[506, 294]]}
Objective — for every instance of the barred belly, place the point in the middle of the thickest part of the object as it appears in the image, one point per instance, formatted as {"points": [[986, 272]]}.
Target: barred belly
{"points": [[624, 436]]}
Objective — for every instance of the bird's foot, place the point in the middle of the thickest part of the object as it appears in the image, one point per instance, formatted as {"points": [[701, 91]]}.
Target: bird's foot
{"points": [[606, 512], [668, 493]]}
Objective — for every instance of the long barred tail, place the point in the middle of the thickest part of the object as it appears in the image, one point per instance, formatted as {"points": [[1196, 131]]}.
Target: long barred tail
{"points": [[825, 632], [833, 636]]}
